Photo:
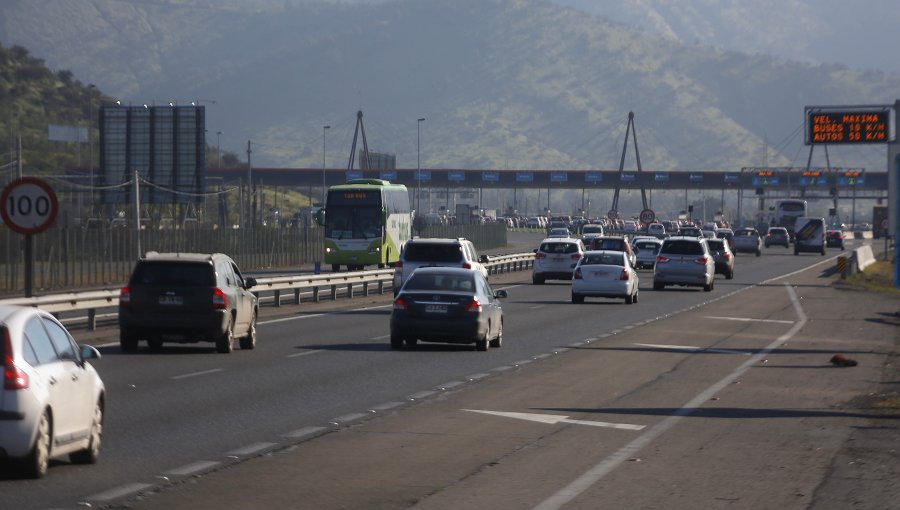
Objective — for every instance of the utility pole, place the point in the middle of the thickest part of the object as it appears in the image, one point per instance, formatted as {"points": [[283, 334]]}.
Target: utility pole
{"points": [[251, 214]]}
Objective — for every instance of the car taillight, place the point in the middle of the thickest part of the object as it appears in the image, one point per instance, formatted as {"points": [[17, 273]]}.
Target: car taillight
{"points": [[13, 377], [701, 260], [220, 300], [125, 296], [539, 255], [624, 275], [400, 304], [661, 260], [474, 306], [727, 256], [399, 263], [577, 274], [576, 256], [467, 266]]}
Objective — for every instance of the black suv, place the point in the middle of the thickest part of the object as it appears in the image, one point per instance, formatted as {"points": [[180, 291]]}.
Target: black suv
{"points": [[187, 298]]}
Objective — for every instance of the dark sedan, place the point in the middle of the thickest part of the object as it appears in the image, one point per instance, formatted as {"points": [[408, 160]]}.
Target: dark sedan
{"points": [[451, 305]]}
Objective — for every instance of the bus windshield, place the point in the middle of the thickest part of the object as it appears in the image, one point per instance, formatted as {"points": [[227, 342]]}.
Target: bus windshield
{"points": [[353, 222]]}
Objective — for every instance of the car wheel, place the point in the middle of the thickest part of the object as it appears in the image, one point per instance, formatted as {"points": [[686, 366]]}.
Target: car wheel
{"points": [[758, 253], [155, 344], [127, 341], [577, 299], [91, 454], [411, 342], [396, 342], [498, 341], [729, 275], [249, 341], [35, 464], [482, 344], [629, 299], [225, 343], [636, 292], [709, 287], [658, 286], [537, 280]]}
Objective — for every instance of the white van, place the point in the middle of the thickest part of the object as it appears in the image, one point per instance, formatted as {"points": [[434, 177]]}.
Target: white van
{"points": [[809, 235]]}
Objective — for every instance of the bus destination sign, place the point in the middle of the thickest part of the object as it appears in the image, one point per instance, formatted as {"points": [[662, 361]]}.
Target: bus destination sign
{"points": [[847, 127]]}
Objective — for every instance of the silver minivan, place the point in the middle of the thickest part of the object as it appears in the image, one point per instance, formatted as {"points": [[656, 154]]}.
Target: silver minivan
{"points": [[684, 261], [555, 259]]}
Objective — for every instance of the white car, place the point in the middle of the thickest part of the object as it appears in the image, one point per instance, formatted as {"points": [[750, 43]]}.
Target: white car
{"points": [[605, 274], [52, 400], [427, 252], [555, 259]]}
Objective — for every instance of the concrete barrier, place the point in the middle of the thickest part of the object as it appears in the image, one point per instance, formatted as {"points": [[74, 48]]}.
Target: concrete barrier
{"points": [[864, 257]]}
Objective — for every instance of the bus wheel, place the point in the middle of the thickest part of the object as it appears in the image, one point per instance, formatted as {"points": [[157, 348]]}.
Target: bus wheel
{"points": [[335, 268]]}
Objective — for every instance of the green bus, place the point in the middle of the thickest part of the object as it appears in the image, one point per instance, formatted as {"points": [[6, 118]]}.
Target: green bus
{"points": [[367, 222]]}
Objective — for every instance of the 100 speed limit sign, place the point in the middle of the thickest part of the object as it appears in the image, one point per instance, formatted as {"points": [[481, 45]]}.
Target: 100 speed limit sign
{"points": [[28, 205]]}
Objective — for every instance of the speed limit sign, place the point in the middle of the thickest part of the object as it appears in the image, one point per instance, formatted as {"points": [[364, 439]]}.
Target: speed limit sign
{"points": [[28, 205], [648, 216]]}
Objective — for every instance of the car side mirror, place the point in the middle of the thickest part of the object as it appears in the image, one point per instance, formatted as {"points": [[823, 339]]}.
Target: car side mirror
{"points": [[249, 282], [500, 294], [483, 259], [89, 352], [535, 250]]}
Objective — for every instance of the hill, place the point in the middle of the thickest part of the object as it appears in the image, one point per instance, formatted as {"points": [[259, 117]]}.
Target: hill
{"points": [[502, 83]]}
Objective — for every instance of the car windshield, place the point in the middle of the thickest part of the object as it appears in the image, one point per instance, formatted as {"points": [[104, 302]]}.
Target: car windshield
{"points": [[746, 233], [559, 247], [682, 248], [440, 282], [432, 252], [610, 244], [605, 259], [173, 273], [716, 245], [648, 247]]}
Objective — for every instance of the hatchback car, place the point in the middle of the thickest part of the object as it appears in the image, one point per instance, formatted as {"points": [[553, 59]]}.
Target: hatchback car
{"points": [[52, 400], [722, 256], [684, 261], [558, 232], [427, 252], [646, 250], [656, 229], [616, 243], [747, 240], [834, 239], [187, 298], [689, 232], [446, 304], [605, 274], [555, 259], [777, 236]]}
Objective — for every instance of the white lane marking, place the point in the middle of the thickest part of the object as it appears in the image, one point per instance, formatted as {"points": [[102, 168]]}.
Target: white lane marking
{"points": [[305, 353], [599, 471], [119, 492], [323, 314], [192, 468], [553, 419], [747, 319], [536, 307], [691, 348], [195, 374], [348, 418], [250, 449], [382, 337]]}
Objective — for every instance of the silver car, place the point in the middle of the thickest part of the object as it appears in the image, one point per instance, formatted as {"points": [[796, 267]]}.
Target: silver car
{"points": [[747, 240], [684, 261], [605, 274], [645, 253], [555, 259]]}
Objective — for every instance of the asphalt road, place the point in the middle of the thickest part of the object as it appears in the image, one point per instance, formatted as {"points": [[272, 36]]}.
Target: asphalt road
{"points": [[186, 411]]}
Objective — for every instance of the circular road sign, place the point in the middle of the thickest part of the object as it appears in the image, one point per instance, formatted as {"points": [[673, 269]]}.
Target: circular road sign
{"points": [[28, 205], [648, 216], [612, 214]]}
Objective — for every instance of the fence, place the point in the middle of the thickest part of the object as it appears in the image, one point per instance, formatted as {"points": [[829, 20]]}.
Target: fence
{"points": [[69, 259]]}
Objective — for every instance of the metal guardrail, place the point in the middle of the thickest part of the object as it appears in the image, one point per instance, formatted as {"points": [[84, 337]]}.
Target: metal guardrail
{"points": [[91, 301]]}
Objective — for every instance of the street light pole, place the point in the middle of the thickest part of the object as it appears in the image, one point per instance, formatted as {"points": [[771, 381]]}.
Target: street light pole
{"points": [[324, 130], [418, 169], [218, 149]]}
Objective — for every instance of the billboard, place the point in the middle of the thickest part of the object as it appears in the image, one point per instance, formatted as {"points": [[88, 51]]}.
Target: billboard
{"points": [[166, 145]]}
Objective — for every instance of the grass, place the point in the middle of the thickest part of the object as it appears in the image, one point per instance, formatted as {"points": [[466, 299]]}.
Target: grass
{"points": [[879, 277]]}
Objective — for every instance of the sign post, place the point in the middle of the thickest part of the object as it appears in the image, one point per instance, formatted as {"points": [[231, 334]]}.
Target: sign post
{"points": [[28, 206]]}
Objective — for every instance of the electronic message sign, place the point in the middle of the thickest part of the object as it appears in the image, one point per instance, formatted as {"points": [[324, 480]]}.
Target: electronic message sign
{"points": [[833, 125]]}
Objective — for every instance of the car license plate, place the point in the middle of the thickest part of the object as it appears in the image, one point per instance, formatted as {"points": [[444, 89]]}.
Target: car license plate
{"points": [[435, 308], [171, 300]]}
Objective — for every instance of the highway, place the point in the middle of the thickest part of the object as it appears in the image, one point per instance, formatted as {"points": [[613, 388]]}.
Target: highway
{"points": [[186, 410]]}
